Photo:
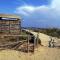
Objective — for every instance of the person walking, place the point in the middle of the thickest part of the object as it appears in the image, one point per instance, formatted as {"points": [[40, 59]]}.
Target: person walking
{"points": [[50, 42], [53, 44]]}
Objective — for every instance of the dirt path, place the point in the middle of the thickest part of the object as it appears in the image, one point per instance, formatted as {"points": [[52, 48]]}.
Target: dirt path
{"points": [[44, 38]]}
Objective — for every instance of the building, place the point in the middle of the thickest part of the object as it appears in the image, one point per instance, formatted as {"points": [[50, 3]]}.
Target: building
{"points": [[10, 33], [10, 24]]}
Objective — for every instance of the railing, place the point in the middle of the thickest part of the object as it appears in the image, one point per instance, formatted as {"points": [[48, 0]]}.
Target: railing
{"points": [[16, 41]]}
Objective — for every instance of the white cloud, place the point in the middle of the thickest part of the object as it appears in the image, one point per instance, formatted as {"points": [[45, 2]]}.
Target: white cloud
{"points": [[55, 3], [26, 10], [42, 13]]}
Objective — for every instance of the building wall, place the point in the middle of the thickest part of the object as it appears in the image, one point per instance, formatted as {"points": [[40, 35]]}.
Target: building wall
{"points": [[10, 27]]}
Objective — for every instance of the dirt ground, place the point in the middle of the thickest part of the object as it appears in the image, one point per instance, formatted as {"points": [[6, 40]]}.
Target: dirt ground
{"points": [[41, 53]]}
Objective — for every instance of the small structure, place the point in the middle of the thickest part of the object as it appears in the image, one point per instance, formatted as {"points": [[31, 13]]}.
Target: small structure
{"points": [[10, 28], [10, 34], [9, 24]]}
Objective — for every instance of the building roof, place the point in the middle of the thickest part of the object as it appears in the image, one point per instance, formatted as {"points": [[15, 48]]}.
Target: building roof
{"points": [[9, 16]]}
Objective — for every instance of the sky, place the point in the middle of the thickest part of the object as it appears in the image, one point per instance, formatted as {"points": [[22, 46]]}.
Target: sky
{"points": [[34, 13]]}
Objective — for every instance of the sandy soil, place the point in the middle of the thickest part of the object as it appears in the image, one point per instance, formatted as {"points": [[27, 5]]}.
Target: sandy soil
{"points": [[41, 53]]}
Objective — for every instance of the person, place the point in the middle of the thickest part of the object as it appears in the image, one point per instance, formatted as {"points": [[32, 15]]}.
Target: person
{"points": [[53, 44], [50, 44]]}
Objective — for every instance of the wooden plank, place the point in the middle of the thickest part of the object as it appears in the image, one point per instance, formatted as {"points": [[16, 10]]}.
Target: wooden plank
{"points": [[9, 16], [13, 35]]}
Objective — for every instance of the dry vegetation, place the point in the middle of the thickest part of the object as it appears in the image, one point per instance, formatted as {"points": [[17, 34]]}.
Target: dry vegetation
{"points": [[55, 32], [42, 53]]}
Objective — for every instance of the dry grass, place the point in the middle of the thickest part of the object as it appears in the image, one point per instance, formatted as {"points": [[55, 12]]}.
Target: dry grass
{"points": [[41, 53]]}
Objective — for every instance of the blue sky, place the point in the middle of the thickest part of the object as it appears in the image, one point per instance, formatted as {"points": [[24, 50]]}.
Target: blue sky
{"points": [[34, 13], [8, 6]]}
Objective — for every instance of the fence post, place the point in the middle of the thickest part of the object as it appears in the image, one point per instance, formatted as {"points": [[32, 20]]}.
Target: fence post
{"points": [[34, 43], [28, 44]]}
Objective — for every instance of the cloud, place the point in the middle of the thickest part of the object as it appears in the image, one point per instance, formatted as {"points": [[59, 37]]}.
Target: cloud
{"points": [[55, 3], [25, 10], [46, 15], [31, 9]]}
